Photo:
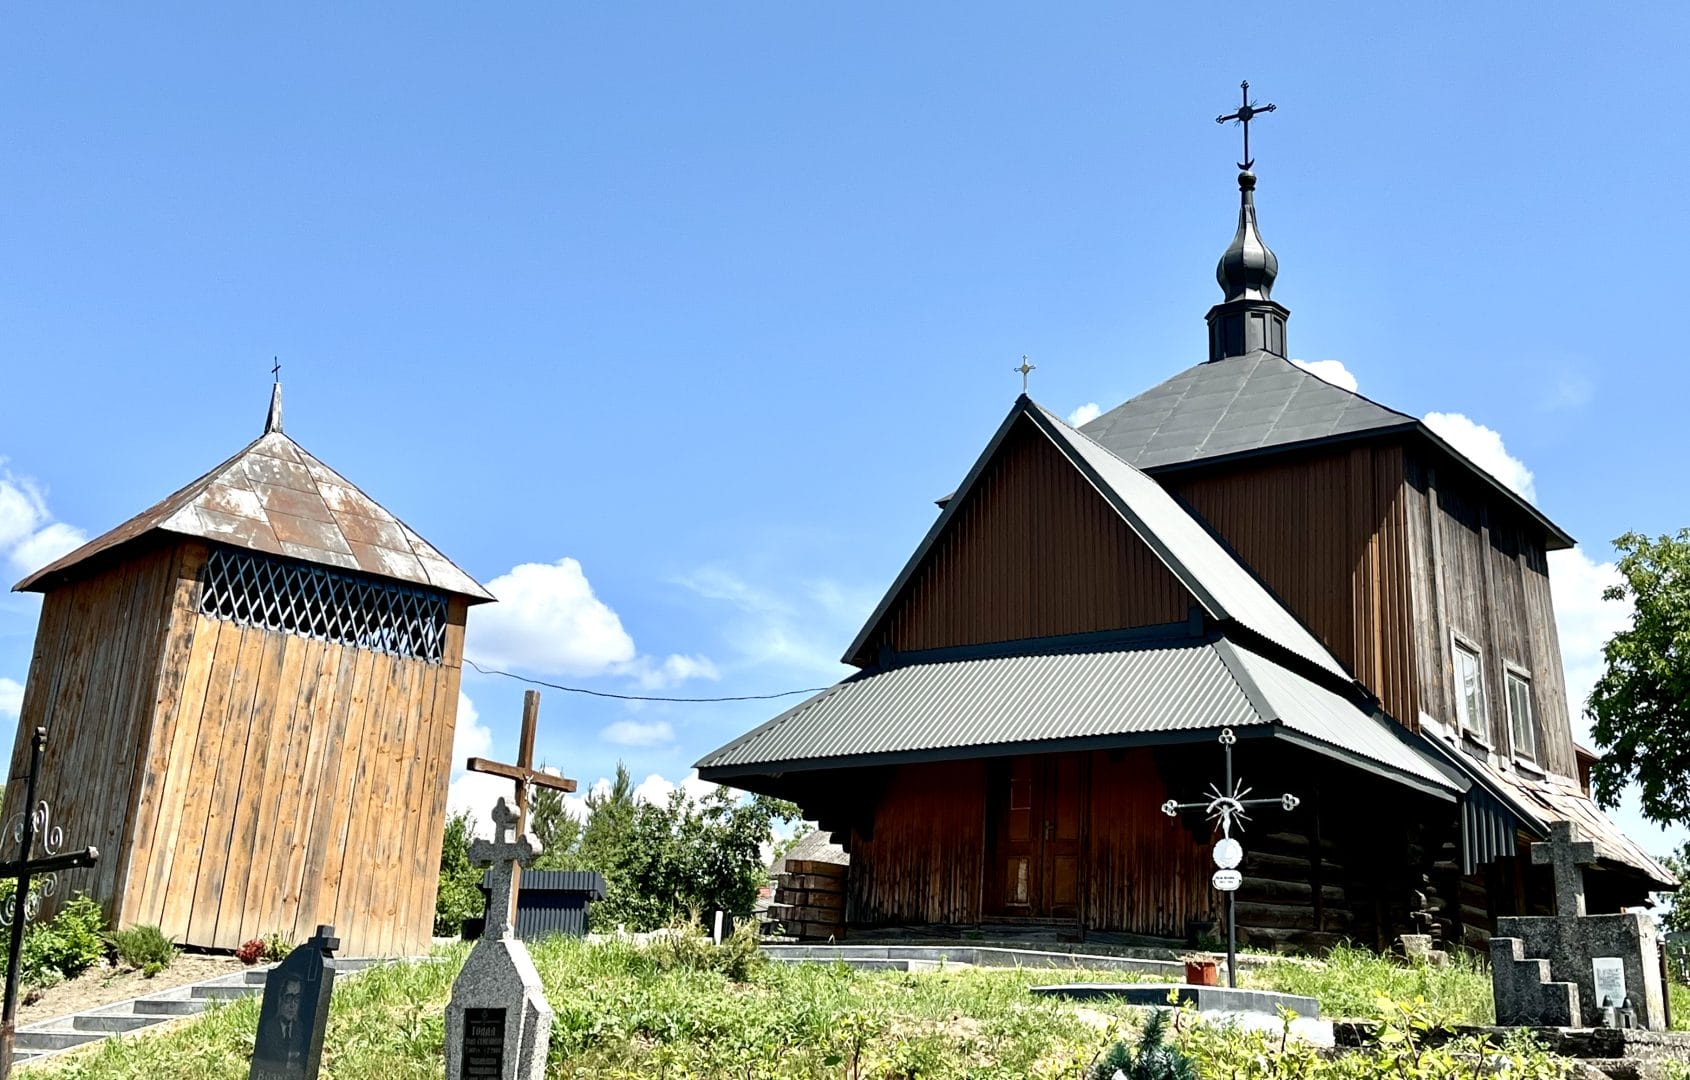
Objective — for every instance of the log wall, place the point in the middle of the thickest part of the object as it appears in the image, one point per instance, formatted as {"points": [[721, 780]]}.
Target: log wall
{"points": [[1032, 551]]}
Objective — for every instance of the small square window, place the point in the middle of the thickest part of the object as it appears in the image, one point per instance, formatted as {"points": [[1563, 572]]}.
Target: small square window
{"points": [[1469, 690], [1520, 716]]}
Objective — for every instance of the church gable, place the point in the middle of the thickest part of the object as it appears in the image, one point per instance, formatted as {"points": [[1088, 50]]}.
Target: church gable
{"points": [[1030, 550]]}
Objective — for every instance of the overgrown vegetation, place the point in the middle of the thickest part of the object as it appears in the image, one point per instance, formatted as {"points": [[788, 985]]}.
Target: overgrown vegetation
{"points": [[680, 1009], [65, 946], [1351, 982], [144, 948], [660, 861]]}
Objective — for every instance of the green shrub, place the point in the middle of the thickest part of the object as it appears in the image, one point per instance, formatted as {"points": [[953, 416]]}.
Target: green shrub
{"points": [[143, 947], [459, 895], [276, 947], [683, 946], [1151, 1059], [65, 947]]}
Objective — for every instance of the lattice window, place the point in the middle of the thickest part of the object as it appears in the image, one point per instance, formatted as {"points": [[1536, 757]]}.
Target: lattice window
{"points": [[312, 601]]}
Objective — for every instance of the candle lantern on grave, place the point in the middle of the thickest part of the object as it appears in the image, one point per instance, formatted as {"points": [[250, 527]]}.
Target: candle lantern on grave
{"points": [[1226, 806]]}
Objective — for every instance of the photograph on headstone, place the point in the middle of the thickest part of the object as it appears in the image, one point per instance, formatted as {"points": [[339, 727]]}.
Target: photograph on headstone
{"points": [[294, 1014]]}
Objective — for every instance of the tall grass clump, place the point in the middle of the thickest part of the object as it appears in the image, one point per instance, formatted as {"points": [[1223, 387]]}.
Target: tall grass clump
{"points": [[1350, 982]]}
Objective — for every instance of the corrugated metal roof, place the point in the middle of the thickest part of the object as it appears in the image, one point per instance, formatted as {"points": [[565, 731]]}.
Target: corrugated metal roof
{"points": [[275, 497], [1255, 402], [1154, 689], [1220, 582]]}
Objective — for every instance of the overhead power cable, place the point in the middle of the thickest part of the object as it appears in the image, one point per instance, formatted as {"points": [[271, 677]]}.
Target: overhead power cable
{"points": [[639, 697]]}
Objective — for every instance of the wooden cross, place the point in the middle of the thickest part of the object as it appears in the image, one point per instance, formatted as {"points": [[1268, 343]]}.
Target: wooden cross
{"points": [[35, 817], [1025, 369], [523, 773], [1568, 855], [1247, 111]]}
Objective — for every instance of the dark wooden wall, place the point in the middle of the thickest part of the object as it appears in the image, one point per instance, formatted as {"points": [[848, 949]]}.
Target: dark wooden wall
{"points": [[1480, 570], [1328, 533], [1033, 551], [97, 650], [240, 781], [921, 861], [1143, 873]]}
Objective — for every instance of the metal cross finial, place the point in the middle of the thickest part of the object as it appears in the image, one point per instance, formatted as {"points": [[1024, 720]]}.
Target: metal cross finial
{"points": [[1025, 369], [1247, 111], [276, 372]]}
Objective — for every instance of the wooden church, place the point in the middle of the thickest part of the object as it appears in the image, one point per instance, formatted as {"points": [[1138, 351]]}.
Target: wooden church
{"points": [[1242, 547], [250, 690]]}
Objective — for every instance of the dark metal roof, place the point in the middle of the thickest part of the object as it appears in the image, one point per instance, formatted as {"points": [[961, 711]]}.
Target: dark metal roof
{"points": [[1149, 691], [1255, 403], [588, 883], [276, 497]]}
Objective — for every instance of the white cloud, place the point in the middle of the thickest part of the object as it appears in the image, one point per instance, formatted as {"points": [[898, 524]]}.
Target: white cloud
{"points": [[1483, 447], [471, 738], [799, 628], [29, 537], [1332, 371], [11, 699], [675, 668], [656, 789], [637, 733], [547, 619], [1584, 622], [1085, 414]]}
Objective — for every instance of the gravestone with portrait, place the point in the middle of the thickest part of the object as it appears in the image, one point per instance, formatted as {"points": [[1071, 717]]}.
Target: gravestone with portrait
{"points": [[1572, 969], [295, 1011], [498, 1022]]}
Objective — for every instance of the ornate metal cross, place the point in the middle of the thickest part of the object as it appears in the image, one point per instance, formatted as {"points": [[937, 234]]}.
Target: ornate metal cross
{"points": [[1227, 806], [36, 819], [507, 857], [523, 773], [1568, 855], [1247, 111], [1025, 369]]}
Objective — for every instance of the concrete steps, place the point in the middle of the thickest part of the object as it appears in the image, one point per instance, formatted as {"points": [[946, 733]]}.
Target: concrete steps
{"points": [[926, 957], [49, 1037]]}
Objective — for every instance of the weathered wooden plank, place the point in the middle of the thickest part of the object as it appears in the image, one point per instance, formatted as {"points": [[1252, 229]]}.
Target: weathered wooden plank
{"points": [[330, 845], [277, 816], [326, 718], [376, 815], [394, 899], [426, 855]]}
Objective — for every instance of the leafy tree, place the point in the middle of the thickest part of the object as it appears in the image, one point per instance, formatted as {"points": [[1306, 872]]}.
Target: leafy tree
{"points": [[1677, 918], [1641, 705], [459, 896], [610, 822], [680, 857]]}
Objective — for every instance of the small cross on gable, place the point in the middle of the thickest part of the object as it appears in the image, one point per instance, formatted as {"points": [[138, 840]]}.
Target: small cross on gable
{"points": [[1568, 855]]}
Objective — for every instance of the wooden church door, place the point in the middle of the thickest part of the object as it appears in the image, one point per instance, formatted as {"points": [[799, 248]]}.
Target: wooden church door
{"points": [[1035, 814]]}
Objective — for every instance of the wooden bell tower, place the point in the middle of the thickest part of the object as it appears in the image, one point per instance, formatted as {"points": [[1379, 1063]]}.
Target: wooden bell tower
{"points": [[251, 689]]}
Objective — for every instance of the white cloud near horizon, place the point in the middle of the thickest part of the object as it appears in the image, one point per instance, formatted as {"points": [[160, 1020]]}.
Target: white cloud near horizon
{"points": [[798, 629], [1483, 447], [639, 733], [29, 536], [1085, 414], [1332, 371], [11, 699]]}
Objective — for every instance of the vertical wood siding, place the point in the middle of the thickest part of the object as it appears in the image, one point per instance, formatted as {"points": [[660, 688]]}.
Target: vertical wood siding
{"points": [[1033, 551], [1144, 873], [1328, 533], [921, 861], [239, 781], [97, 648], [1480, 571]]}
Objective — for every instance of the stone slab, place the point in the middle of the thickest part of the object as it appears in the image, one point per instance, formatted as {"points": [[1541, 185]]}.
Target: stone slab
{"points": [[1570, 945], [1207, 999]]}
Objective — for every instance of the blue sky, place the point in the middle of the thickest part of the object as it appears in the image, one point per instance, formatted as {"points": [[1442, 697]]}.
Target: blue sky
{"points": [[681, 316]]}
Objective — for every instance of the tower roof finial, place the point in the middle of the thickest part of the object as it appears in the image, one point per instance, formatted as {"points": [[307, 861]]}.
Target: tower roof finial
{"points": [[273, 422], [1247, 319]]}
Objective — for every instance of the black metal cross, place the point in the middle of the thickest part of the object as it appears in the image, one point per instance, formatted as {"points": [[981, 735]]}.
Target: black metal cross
{"points": [[1247, 111], [1225, 806], [35, 819], [276, 371]]}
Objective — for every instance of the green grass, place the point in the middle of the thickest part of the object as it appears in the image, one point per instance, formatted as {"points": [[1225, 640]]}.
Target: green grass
{"points": [[1351, 981], [1680, 1006], [689, 1011]]}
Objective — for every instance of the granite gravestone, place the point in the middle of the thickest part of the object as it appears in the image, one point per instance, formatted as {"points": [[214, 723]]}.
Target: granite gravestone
{"points": [[295, 1011], [1564, 970], [498, 1023]]}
